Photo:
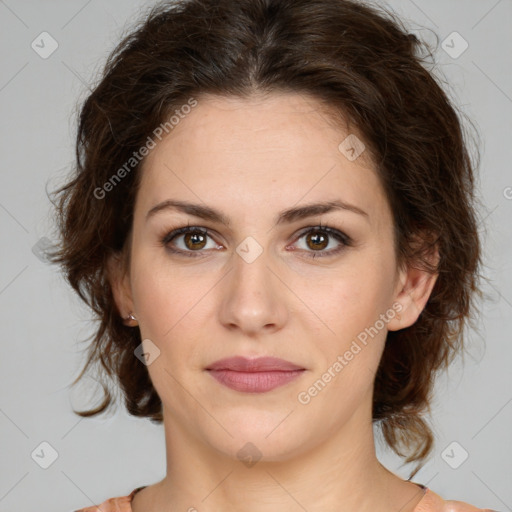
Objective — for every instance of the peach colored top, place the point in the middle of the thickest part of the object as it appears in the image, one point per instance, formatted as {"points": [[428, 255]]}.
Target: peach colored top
{"points": [[430, 502]]}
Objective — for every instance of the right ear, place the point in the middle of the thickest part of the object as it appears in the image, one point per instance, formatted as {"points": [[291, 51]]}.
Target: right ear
{"points": [[118, 275]]}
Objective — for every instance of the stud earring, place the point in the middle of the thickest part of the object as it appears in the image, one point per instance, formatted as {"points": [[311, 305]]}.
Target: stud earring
{"points": [[130, 318]]}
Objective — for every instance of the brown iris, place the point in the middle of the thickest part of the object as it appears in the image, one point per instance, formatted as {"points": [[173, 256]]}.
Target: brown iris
{"points": [[320, 241], [196, 238]]}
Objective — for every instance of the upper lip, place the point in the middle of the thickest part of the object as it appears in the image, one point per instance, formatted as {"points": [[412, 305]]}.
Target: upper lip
{"points": [[259, 364]]}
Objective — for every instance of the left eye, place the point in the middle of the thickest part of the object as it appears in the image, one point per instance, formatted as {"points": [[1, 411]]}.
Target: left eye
{"points": [[317, 238]]}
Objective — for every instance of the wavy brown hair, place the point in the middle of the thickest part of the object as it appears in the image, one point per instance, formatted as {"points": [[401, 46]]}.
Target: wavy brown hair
{"points": [[359, 61]]}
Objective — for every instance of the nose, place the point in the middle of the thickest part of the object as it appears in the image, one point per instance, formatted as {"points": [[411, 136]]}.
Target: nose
{"points": [[254, 297]]}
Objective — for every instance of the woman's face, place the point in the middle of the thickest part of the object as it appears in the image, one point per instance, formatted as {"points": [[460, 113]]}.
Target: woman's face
{"points": [[268, 281]]}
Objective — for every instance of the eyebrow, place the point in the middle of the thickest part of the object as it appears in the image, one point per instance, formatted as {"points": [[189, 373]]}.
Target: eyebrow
{"points": [[286, 216]]}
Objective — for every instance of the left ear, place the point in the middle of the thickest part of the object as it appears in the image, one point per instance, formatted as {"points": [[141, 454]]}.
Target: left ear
{"points": [[118, 276], [414, 286]]}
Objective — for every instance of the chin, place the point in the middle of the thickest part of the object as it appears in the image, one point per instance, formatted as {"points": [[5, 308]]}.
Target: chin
{"points": [[255, 449], [258, 437]]}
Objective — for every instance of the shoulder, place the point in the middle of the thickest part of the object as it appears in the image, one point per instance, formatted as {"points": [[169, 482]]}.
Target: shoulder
{"points": [[460, 506], [432, 502], [119, 504]]}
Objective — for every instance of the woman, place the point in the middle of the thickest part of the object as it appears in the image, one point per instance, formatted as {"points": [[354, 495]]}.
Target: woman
{"points": [[273, 218]]}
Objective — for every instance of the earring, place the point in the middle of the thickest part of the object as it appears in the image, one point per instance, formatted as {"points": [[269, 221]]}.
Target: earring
{"points": [[130, 318]]}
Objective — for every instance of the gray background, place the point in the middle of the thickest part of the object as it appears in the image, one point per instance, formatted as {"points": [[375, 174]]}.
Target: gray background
{"points": [[42, 322]]}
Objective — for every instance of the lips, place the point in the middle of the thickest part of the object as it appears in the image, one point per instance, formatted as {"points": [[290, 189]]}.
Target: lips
{"points": [[260, 364], [254, 375]]}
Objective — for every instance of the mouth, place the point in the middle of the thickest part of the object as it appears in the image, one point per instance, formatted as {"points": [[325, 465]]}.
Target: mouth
{"points": [[254, 375]]}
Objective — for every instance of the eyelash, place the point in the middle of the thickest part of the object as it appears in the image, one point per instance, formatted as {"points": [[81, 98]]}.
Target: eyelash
{"points": [[341, 237]]}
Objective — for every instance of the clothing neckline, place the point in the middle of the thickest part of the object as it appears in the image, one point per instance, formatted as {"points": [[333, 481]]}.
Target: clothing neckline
{"points": [[138, 489], [135, 491]]}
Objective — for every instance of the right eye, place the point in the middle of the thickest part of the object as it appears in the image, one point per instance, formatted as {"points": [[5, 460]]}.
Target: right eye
{"points": [[194, 239]]}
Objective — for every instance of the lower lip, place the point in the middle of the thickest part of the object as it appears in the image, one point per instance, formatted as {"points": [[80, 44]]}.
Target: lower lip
{"points": [[254, 382]]}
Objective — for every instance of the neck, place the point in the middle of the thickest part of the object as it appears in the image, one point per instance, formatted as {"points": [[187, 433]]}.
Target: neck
{"points": [[341, 473]]}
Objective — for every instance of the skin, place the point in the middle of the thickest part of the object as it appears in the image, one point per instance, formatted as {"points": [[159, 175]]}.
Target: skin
{"points": [[251, 159]]}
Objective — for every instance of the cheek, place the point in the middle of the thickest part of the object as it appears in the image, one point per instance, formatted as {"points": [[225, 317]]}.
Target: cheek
{"points": [[171, 305], [170, 310], [351, 299], [349, 351], [348, 321]]}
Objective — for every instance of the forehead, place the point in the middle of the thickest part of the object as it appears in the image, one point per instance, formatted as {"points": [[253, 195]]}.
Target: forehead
{"points": [[283, 149]]}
